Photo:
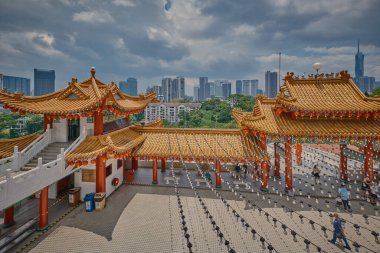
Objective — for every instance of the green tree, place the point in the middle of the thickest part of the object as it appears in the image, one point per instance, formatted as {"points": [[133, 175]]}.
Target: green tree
{"points": [[35, 124], [376, 91]]}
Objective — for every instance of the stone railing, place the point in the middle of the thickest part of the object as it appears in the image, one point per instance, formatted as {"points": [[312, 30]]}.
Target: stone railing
{"points": [[19, 159], [14, 188]]}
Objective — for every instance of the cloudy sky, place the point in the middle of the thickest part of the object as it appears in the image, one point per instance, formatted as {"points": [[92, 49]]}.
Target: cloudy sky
{"points": [[221, 39]]}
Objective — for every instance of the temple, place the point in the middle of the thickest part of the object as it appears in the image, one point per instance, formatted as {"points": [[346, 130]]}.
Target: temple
{"points": [[77, 146], [321, 108]]}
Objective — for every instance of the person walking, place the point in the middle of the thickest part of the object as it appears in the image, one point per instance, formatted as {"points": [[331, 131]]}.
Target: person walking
{"points": [[316, 173], [344, 196], [339, 232], [245, 170]]}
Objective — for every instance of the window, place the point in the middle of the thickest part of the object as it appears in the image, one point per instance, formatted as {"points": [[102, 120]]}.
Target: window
{"points": [[109, 170], [119, 163], [90, 119]]}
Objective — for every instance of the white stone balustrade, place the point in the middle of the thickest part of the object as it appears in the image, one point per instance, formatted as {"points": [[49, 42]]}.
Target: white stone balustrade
{"points": [[17, 187]]}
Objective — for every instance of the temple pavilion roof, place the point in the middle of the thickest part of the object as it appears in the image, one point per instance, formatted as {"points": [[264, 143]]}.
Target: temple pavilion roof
{"points": [[77, 97], [265, 119], [325, 93], [7, 145], [153, 140]]}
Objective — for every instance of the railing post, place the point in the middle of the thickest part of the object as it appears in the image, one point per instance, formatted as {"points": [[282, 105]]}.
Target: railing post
{"points": [[84, 133], [39, 162], [62, 161], [15, 158], [48, 130]]}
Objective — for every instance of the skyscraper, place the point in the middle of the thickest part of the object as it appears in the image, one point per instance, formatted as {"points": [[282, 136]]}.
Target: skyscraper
{"points": [[271, 84], [173, 88], [365, 83], [359, 63], [166, 85], [14, 84], [239, 87], [44, 81], [204, 89], [250, 87], [129, 86], [254, 87], [226, 89], [211, 86], [196, 94]]}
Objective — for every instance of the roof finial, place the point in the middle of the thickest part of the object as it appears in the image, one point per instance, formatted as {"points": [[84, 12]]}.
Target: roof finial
{"points": [[93, 71]]}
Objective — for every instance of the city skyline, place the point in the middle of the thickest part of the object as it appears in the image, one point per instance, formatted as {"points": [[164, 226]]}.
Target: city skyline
{"points": [[191, 38]]}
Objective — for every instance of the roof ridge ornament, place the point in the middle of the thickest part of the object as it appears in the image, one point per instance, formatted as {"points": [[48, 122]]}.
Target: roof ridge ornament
{"points": [[93, 71]]}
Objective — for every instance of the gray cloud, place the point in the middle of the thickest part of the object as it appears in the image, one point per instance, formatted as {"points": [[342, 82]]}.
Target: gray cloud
{"points": [[218, 38]]}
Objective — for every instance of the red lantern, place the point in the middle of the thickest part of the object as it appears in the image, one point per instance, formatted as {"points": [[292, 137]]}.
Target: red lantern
{"points": [[358, 114], [21, 113], [5, 106], [71, 163], [70, 117], [78, 163], [99, 109], [90, 113], [350, 114], [245, 131], [341, 114], [55, 117], [13, 110], [83, 115], [84, 162], [317, 114], [76, 116], [111, 109], [93, 161], [63, 116], [325, 114]]}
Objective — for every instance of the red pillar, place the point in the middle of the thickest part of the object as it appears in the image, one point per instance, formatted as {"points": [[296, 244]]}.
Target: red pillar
{"points": [[135, 163], [276, 161], [100, 174], [154, 170], [288, 164], [48, 120], [98, 123], [343, 163], [43, 223], [299, 153], [218, 180], [264, 176], [9, 219], [368, 161], [163, 165], [127, 120]]}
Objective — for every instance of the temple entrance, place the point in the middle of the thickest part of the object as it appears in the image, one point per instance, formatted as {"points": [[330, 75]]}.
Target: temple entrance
{"points": [[73, 127]]}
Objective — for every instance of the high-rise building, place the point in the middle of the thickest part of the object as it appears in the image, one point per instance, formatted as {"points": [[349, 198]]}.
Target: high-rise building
{"points": [[254, 87], [239, 87], [14, 84], [365, 83], [44, 81], [173, 88], [204, 89], [157, 89], [250, 87], [196, 94], [212, 89], [271, 84], [377, 84], [259, 92], [166, 86], [129, 86], [226, 89], [359, 63]]}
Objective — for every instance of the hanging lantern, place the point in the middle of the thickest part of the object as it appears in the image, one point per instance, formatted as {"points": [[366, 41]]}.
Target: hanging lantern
{"points": [[296, 114], [83, 115], [5, 106], [70, 117], [13, 110], [350, 114], [93, 161], [71, 163], [21, 113], [99, 109], [358, 114], [55, 117], [76, 116], [341, 114], [78, 163], [333, 115], [302, 114], [84, 163], [366, 115], [325, 114], [245, 131], [63, 116], [317, 114]]}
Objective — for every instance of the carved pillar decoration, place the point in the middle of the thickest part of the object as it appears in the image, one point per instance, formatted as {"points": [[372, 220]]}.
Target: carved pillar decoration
{"points": [[135, 163], [264, 176], [288, 163], [43, 222], [299, 153], [154, 170], [98, 123], [218, 170], [48, 121], [9, 219], [163, 164], [343, 163], [368, 161], [100, 174], [277, 163]]}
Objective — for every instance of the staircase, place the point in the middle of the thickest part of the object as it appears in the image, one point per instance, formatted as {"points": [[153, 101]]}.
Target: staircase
{"points": [[48, 154]]}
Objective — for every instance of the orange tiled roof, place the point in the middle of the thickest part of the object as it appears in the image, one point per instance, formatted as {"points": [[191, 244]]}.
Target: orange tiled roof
{"points": [[7, 145], [120, 141], [331, 93], [77, 97], [264, 119], [209, 143]]}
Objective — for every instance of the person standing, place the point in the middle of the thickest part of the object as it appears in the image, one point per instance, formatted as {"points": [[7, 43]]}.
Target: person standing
{"points": [[316, 173], [339, 232], [344, 196]]}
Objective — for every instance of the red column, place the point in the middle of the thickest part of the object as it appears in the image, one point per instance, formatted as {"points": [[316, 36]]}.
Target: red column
{"points": [[299, 153], [154, 170], [135, 163], [276, 161], [264, 176], [127, 120], [368, 161], [47, 120], [9, 219], [163, 165], [343, 163], [218, 181], [288, 164], [43, 223], [98, 123], [100, 174]]}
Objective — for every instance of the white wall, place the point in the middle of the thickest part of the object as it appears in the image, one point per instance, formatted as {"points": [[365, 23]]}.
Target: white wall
{"points": [[59, 131], [87, 187]]}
